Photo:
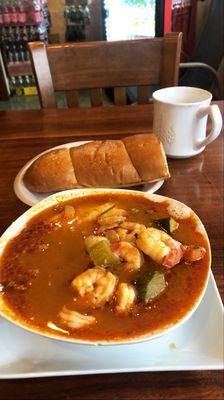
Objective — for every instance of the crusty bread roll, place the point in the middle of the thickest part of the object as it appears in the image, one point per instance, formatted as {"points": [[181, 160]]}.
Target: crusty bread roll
{"points": [[105, 163], [51, 172], [147, 154], [101, 163]]}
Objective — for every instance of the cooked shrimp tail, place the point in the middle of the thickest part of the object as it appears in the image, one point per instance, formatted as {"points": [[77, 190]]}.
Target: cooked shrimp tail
{"points": [[193, 253], [126, 296], [75, 320]]}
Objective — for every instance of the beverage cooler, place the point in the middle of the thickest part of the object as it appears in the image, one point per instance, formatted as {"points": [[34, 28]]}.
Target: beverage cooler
{"points": [[21, 21], [77, 18]]}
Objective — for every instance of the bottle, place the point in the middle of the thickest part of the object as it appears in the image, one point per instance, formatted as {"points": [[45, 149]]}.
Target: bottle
{"points": [[12, 85], [8, 51], [22, 17], [26, 81], [6, 15], [19, 85], [35, 12], [13, 13], [10, 41], [1, 12], [29, 86], [35, 34], [15, 52], [25, 43], [21, 47]]}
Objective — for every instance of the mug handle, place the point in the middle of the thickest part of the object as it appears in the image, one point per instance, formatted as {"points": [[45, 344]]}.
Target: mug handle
{"points": [[216, 118]]}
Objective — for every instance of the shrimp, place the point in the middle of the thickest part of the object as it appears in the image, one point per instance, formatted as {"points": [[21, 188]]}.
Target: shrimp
{"points": [[193, 253], [125, 232], [129, 253], [111, 219], [128, 231], [112, 235], [163, 249], [125, 298], [132, 226], [97, 283], [151, 243], [75, 320]]}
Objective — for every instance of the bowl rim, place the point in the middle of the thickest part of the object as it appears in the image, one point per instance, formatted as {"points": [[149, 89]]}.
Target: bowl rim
{"points": [[15, 228]]}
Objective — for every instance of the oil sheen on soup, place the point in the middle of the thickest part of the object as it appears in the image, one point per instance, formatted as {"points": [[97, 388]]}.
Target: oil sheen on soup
{"points": [[104, 267]]}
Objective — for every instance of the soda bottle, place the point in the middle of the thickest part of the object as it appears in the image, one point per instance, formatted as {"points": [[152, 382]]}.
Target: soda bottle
{"points": [[13, 13], [9, 40], [31, 34], [6, 15], [12, 85], [35, 12], [26, 81], [1, 12], [21, 46], [19, 85], [25, 43], [15, 52], [8, 52], [35, 34], [21, 7]]}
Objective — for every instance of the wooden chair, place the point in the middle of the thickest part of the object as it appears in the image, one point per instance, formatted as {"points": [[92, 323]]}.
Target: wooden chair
{"points": [[96, 65]]}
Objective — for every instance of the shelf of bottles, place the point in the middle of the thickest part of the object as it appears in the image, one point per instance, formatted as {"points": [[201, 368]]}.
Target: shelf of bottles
{"points": [[77, 16], [22, 21]]}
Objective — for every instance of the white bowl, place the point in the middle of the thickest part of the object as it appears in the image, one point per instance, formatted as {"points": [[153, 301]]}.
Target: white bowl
{"points": [[176, 209]]}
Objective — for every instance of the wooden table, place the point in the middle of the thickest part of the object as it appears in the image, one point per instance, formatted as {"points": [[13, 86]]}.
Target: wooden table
{"points": [[197, 182]]}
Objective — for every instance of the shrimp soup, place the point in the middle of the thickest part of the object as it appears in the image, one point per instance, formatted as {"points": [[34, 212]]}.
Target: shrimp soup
{"points": [[105, 267]]}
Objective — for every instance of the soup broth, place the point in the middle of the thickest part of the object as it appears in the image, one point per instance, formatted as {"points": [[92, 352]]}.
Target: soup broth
{"points": [[38, 266]]}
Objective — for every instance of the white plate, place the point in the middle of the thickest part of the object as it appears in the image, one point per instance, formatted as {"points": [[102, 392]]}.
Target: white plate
{"points": [[199, 346], [31, 198]]}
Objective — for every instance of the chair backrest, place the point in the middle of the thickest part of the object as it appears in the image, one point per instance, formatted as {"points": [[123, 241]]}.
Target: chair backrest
{"points": [[96, 65]]}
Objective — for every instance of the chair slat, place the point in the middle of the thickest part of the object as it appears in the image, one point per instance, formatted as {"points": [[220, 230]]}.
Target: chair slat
{"points": [[169, 73], [39, 61], [143, 94], [72, 98], [120, 98], [96, 97]]}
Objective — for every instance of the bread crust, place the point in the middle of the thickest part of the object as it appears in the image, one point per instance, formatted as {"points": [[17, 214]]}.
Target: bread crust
{"points": [[52, 171], [103, 163], [148, 157]]}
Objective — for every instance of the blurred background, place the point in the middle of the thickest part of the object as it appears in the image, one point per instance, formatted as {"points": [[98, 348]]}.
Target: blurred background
{"points": [[59, 21]]}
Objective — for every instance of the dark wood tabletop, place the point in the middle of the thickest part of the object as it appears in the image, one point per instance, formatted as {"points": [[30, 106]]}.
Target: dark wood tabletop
{"points": [[197, 181]]}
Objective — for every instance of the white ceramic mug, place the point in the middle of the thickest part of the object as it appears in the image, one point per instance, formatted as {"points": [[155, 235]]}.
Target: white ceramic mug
{"points": [[180, 120]]}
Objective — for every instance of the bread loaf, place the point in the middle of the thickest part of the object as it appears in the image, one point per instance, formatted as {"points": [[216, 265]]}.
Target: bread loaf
{"points": [[104, 163], [101, 163]]}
